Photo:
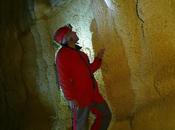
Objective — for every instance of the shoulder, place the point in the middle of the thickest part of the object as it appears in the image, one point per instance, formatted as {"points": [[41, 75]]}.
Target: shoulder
{"points": [[63, 57], [63, 52], [67, 53]]}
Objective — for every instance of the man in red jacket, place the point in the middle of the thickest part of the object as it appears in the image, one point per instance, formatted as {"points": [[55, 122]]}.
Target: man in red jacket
{"points": [[77, 81]]}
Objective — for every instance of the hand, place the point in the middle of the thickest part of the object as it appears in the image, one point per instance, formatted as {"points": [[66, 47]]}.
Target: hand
{"points": [[100, 54], [75, 102]]}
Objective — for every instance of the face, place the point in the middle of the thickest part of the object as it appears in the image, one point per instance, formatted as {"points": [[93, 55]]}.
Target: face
{"points": [[74, 36]]}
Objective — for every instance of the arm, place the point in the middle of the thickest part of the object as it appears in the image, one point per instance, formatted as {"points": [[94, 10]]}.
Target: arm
{"points": [[95, 64], [97, 61], [65, 79]]}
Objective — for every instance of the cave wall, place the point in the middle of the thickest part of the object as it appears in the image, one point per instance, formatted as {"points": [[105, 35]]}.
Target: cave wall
{"points": [[21, 92], [136, 78], [141, 83], [138, 38]]}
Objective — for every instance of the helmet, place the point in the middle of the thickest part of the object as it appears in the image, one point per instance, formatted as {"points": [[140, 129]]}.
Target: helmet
{"points": [[61, 32]]}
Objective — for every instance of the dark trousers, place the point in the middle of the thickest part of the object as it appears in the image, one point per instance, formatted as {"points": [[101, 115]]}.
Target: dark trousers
{"points": [[101, 112]]}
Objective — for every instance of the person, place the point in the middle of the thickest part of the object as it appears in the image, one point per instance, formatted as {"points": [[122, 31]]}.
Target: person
{"points": [[77, 81]]}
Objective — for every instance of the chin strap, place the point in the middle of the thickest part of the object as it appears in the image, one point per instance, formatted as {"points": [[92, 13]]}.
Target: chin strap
{"points": [[78, 47]]}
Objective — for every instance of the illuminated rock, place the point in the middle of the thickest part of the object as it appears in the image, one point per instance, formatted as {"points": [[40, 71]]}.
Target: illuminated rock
{"points": [[137, 77]]}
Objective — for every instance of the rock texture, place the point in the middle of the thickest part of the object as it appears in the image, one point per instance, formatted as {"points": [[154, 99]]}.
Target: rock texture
{"points": [[143, 76], [26, 100], [137, 77]]}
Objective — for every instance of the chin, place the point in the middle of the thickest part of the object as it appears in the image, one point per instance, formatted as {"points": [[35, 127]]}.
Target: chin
{"points": [[77, 40]]}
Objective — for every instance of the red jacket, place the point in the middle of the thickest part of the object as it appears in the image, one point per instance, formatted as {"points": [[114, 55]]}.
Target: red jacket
{"points": [[76, 76]]}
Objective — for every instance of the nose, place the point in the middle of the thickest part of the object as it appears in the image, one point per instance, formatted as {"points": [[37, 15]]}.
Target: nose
{"points": [[74, 32]]}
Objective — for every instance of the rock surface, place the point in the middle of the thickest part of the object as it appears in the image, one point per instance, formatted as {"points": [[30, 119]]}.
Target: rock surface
{"points": [[137, 77]]}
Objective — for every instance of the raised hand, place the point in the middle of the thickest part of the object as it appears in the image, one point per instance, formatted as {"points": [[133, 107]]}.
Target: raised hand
{"points": [[100, 53]]}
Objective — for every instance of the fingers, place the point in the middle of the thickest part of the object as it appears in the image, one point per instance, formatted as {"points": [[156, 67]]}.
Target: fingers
{"points": [[103, 49], [101, 53]]}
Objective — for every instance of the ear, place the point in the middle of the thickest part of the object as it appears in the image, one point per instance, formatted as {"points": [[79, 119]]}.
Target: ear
{"points": [[69, 37], [66, 38]]}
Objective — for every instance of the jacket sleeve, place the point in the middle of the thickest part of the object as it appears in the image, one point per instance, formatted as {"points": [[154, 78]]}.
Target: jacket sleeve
{"points": [[65, 79], [95, 64]]}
